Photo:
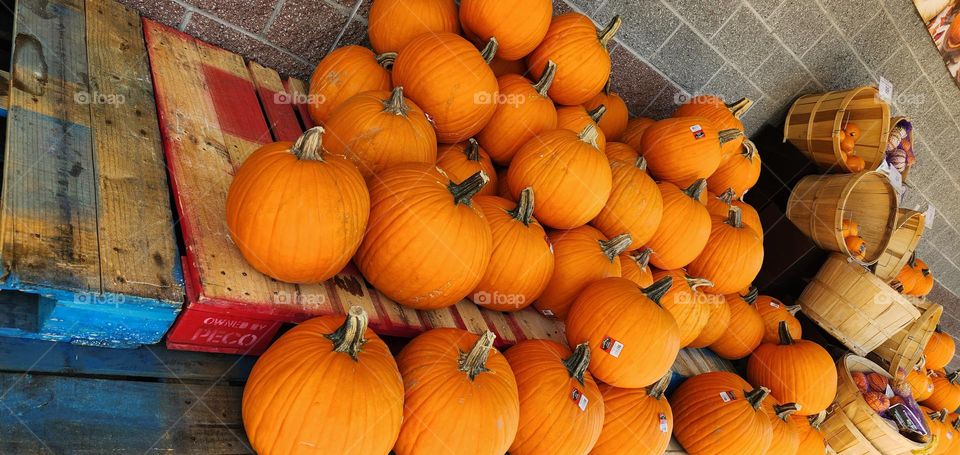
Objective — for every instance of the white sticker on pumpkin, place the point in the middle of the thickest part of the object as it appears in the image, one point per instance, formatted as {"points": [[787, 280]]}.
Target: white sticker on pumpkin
{"points": [[774, 304], [583, 402], [697, 131], [728, 396], [616, 349], [664, 427]]}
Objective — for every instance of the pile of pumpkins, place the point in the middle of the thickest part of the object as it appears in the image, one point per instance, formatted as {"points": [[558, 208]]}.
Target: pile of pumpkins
{"points": [[849, 135], [938, 392], [915, 278]]}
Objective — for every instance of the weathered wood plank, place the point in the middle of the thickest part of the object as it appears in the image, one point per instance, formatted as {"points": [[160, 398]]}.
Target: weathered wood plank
{"points": [[4, 93], [299, 92], [277, 103], [138, 251]]}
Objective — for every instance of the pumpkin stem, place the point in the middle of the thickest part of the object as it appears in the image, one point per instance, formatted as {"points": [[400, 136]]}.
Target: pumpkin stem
{"points": [[642, 257], [912, 262], [464, 191], [749, 150], [641, 163], [740, 108], [658, 289], [524, 210], [727, 196], [396, 105], [472, 150], [756, 396], [697, 283], [952, 377], [695, 191], [613, 247], [475, 362], [793, 309], [785, 338], [386, 59], [607, 33], [925, 272], [751, 296], [546, 79], [578, 362], [590, 136], [817, 419], [490, 50], [956, 424], [735, 217], [729, 135], [349, 337], [783, 411], [597, 113], [657, 389], [897, 286], [309, 145], [939, 416]]}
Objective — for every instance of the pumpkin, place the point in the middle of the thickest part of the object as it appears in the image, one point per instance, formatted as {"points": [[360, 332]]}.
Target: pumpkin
{"points": [[738, 172], [877, 401], [569, 174], [522, 261], [724, 116], [921, 386], [343, 73], [460, 161], [519, 26], [503, 67], [939, 350], [794, 370], [717, 322], [523, 112], [855, 163], [478, 387], [633, 135], [924, 284], [392, 24], [614, 121], [581, 256], [426, 246], [772, 311], [683, 150], [292, 407], [635, 205], [852, 130], [636, 421], [745, 331], [581, 55], [303, 187], [877, 382], [719, 205], [447, 77], [856, 246], [850, 228], [718, 413], [378, 129], [860, 380], [561, 408], [847, 144], [940, 429], [635, 266], [785, 436], [684, 229], [576, 118], [909, 275], [946, 392], [618, 151], [811, 439], [621, 322], [686, 303], [732, 257]]}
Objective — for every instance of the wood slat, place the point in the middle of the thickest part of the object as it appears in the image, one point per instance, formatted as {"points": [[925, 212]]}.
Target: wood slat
{"points": [[299, 90], [277, 103], [4, 93]]}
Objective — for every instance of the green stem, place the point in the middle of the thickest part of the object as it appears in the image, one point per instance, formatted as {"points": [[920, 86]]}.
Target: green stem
{"points": [[729, 135], [734, 217], [597, 113], [752, 295], [464, 191], [658, 289], [472, 150], [349, 337], [952, 377], [749, 150], [590, 136], [475, 362], [740, 108], [697, 283], [524, 209], [546, 79], [607, 33], [756, 396], [642, 257], [658, 388], [695, 191], [578, 362], [641, 163], [490, 50], [784, 333], [613, 247], [309, 145], [396, 104], [386, 59], [727, 196], [783, 411]]}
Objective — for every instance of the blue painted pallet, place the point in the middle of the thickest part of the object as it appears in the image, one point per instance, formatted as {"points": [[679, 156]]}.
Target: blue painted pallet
{"points": [[88, 252]]}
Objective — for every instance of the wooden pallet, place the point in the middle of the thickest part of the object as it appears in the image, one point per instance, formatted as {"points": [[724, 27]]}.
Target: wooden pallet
{"points": [[88, 240], [215, 109], [4, 93]]}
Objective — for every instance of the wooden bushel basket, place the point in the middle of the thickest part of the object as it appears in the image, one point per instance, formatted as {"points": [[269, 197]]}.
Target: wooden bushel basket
{"points": [[910, 227], [905, 349], [843, 437], [855, 306], [814, 125], [819, 204]]}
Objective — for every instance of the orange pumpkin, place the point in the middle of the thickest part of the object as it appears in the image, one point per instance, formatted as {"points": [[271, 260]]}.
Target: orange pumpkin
{"points": [[581, 55], [478, 387], [855, 163], [343, 73], [811, 439], [850, 228], [614, 121], [719, 205], [303, 187], [460, 161], [447, 77], [785, 438], [946, 392], [519, 26], [582, 256], [636, 421], [856, 246], [924, 284], [392, 24], [683, 150], [576, 118], [719, 413], [939, 350], [724, 116], [877, 382], [292, 407], [523, 111], [618, 151], [860, 380], [522, 261], [877, 401], [635, 205], [569, 174], [738, 172], [561, 408], [745, 331], [418, 216], [378, 129], [909, 275], [684, 228], [794, 370], [852, 130], [633, 135], [622, 322], [686, 303], [717, 322], [773, 312], [635, 266], [921, 386], [732, 257], [941, 431]]}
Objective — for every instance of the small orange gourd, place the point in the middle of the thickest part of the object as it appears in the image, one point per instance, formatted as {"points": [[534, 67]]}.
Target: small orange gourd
{"points": [[462, 160], [940, 350], [686, 303]]}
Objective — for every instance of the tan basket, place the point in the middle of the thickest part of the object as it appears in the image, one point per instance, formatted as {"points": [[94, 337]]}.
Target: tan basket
{"points": [[905, 348], [882, 434], [910, 227], [814, 124], [855, 306], [843, 437], [819, 203]]}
